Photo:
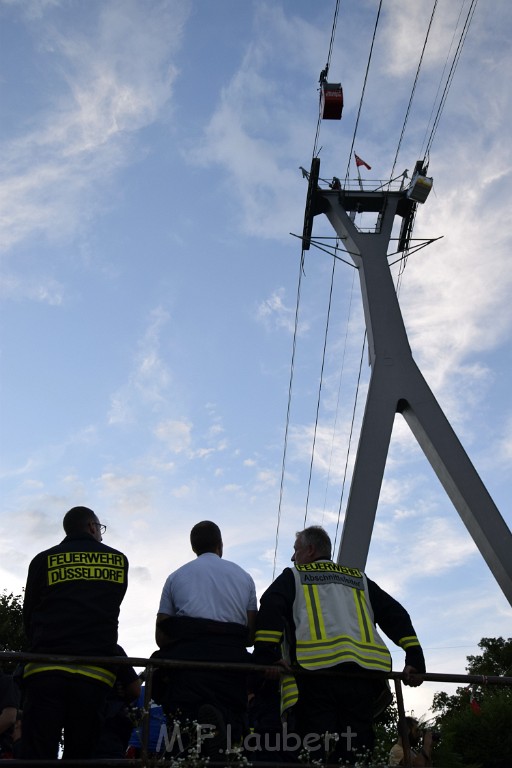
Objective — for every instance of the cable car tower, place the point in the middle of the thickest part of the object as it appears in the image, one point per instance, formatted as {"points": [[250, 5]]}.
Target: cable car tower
{"points": [[397, 384]]}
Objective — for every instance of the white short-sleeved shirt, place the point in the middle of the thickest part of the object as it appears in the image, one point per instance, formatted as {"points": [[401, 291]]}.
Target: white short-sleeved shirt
{"points": [[209, 588]]}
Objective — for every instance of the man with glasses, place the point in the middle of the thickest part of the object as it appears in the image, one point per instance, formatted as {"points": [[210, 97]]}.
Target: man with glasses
{"points": [[323, 616], [72, 600]]}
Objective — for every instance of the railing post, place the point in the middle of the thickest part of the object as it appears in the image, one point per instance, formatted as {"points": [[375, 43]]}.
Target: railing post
{"points": [[402, 725], [146, 716]]}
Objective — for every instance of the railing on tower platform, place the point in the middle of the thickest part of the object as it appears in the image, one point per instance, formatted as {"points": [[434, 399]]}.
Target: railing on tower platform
{"points": [[150, 665]]}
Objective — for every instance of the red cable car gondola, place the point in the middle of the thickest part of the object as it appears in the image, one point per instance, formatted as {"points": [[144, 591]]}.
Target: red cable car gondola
{"points": [[331, 101]]}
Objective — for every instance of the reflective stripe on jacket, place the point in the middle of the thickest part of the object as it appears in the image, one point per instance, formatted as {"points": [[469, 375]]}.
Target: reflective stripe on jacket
{"points": [[96, 673], [334, 620]]}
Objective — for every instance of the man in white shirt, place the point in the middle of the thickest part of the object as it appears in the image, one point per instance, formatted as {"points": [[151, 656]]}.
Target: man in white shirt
{"points": [[207, 612], [208, 587]]}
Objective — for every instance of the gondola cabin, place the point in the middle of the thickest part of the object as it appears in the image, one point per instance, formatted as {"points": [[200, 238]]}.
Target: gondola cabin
{"points": [[331, 101], [420, 187]]}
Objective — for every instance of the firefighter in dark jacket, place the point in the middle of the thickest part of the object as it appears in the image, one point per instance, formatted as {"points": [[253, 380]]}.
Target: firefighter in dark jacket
{"points": [[319, 615], [72, 600]]}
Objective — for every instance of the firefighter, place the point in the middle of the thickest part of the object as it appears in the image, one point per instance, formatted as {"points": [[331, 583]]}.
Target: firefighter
{"points": [[72, 600], [324, 615]]}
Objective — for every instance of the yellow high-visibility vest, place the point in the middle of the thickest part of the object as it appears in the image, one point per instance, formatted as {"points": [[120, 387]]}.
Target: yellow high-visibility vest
{"points": [[334, 620]]}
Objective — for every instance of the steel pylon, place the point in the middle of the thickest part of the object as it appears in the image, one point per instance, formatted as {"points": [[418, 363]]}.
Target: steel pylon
{"points": [[398, 386]]}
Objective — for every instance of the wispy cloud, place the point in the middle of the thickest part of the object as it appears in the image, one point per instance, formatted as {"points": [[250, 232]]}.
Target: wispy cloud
{"points": [[274, 313], [44, 290], [115, 79], [175, 434], [254, 133], [402, 35], [149, 381]]}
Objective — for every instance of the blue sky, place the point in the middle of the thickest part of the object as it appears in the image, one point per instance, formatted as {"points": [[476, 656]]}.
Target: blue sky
{"points": [[150, 181]]}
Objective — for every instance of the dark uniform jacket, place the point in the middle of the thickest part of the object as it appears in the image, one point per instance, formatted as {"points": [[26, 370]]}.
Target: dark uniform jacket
{"points": [[72, 598]]}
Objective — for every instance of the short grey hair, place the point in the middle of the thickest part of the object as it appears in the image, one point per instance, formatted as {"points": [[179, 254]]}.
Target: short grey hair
{"points": [[318, 538]]}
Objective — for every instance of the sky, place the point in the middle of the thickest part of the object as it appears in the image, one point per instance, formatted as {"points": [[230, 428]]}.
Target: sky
{"points": [[150, 194]]}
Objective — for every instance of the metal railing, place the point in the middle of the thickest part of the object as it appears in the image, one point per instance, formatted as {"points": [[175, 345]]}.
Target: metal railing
{"points": [[398, 184], [150, 665]]}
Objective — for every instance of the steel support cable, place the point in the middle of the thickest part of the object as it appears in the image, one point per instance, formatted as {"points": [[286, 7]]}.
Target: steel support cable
{"points": [[451, 73], [283, 466], [362, 94], [290, 386], [349, 441], [333, 35], [325, 72], [413, 88], [403, 261], [320, 389], [441, 78], [329, 249], [342, 370]]}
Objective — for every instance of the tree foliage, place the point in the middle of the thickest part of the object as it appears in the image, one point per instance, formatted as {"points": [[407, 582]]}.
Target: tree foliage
{"points": [[12, 635], [476, 722]]}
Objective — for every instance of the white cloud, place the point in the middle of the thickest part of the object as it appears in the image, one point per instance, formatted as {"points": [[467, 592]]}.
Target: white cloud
{"points": [[255, 133], [455, 298], [130, 492], [435, 548], [182, 492], [403, 35], [175, 434], [44, 290], [148, 384], [114, 82], [275, 314], [32, 9]]}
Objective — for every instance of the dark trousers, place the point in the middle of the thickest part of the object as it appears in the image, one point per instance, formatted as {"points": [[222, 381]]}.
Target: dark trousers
{"points": [[183, 691], [53, 702], [337, 705]]}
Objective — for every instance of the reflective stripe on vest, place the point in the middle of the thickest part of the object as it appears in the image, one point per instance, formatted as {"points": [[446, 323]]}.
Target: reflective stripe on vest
{"points": [[333, 618], [96, 673], [289, 692]]}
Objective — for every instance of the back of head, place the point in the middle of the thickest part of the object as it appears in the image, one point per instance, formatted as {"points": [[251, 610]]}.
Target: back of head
{"points": [[411, 722], [412, 725], [77, 519], [315, 536], [205, 537]]}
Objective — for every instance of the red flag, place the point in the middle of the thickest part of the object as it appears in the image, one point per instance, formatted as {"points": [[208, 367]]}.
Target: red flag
{"points": [[473, 703], [361, 162]]}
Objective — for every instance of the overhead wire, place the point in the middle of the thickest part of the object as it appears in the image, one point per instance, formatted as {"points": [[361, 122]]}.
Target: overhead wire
{"points": [[449, 79], [346, 179], [349, 445], [329, 249], [323, 76], [342, 370], [301, 269], [402, 260], [290, 386], [319, 398], [413, 88], [324, 73], [442, 101], [362, 93]]}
